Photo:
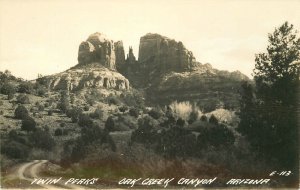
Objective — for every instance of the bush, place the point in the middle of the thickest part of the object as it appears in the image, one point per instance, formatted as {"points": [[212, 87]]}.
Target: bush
{"points": [[62, 124], [91, 101], [1, 103], [155, 113], [85, 120], [58, 132], [213, 119], [1, 112], [109, 124], [41, 91], [203, 118], [50, 112], [7, 88], [123, 108], [74, 114], [180, 122], [134, 112], [13, 135], [97, 114], [21, 112], [28, 124], [41, 108], [217, 135], [10, 96], [64, 103], [133, 98], [193, 116], [113, 100], [25, 87], [23, 99], [15, 150], [86, 108], [42, 139]]}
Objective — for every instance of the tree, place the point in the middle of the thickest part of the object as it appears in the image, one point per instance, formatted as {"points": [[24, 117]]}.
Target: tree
{"points": [[21, 112], [64, 103], [273, 128], [28, 124]]}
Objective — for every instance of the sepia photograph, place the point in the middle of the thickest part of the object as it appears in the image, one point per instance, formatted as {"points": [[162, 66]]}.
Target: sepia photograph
{"points": [[140, 94]]}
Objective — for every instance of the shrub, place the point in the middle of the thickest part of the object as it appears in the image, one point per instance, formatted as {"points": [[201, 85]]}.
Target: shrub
{"points": [[41, 91], [84, 120], [213, 119], [180, 122], [21, 112], [64, 103], [203, 118], [23, 99], [7, 88], [25, 87], [15, 150], [110, 124], [97, 114], [10, 96], [193, 116], [133, 98], [74, 114], [42, 139], [133, 112], [91, 101], [123, 108], [13, 134], [62, 124], [113, 100], [58, 132], [182, 109], [1, 103], [46, 105], [217, 135], [50, 112], [41, 108], [28, 124], [155, 113], [86, 108], [1, 112]]}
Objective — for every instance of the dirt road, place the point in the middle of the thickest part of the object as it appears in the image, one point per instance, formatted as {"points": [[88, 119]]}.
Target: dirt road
{"points": [[30, 171]]}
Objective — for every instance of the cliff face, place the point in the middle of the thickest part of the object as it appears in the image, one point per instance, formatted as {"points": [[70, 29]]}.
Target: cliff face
{"points": [[91, 76], [164, 54], [98, 59], [98, 49]]}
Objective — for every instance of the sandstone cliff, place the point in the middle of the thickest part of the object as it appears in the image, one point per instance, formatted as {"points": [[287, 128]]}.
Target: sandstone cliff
{"points": [[164, 54], [92, 76], [99, 49], [87, 77]]}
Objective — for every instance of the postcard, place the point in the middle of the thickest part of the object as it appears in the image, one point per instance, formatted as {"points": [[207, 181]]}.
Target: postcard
{"points": [[132, 94]]}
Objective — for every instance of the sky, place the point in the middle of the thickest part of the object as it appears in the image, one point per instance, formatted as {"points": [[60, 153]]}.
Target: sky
{"points": [[42, 36]]}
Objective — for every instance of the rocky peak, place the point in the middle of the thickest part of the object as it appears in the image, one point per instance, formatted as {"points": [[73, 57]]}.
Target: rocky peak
{"points": [[130, 56], [120, 55], [164, 54], [99, 49]]}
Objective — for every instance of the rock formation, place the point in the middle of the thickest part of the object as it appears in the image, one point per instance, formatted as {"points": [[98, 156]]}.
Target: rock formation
{"points": [[98, 59], [91, 76], [164, 54], [98, 49], [120, 55]]}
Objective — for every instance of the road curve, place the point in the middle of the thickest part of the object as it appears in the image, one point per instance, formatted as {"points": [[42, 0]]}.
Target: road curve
{"points": [[30, 171]]}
